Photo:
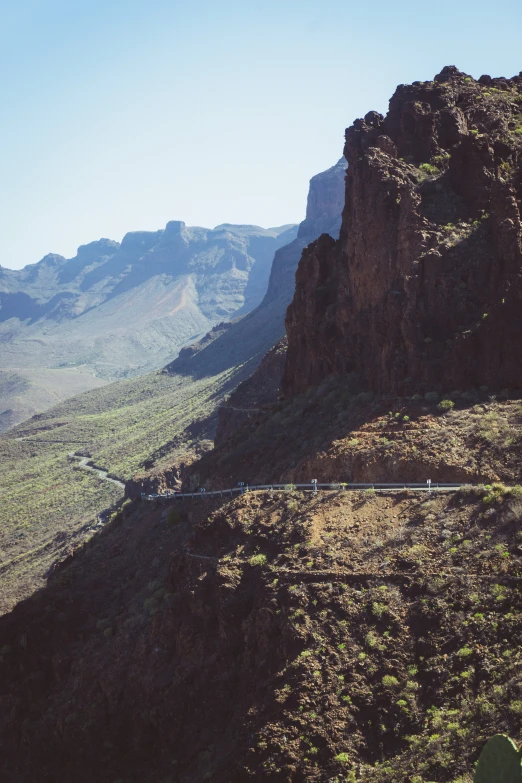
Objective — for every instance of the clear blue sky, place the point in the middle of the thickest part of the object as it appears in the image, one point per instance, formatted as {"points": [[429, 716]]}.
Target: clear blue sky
{"points": [[120, 115]]}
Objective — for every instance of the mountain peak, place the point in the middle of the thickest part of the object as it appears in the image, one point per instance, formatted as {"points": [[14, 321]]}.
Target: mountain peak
{"points": [[175, 227], [99, 247]]}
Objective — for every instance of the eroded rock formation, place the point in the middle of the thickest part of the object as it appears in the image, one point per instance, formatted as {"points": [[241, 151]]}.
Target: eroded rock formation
{"points": [[423, 290]]}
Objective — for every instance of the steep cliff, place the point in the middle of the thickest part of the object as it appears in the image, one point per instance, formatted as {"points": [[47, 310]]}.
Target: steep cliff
{"points": [[323, 216], [256, 333], [246, 341], [422, 292]]}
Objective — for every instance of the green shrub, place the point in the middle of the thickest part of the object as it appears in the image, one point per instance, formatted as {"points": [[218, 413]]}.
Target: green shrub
{"points": [[441, 160], [494, 492], [389, 681], [429, 168], [257, 560], [445, 405], [378, 609]]}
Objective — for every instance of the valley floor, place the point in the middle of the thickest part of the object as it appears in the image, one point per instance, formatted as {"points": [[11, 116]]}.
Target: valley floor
{"points": [[50, 504]]}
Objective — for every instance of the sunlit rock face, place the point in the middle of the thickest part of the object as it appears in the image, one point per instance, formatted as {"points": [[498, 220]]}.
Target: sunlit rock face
{"points": [[422, 291]]}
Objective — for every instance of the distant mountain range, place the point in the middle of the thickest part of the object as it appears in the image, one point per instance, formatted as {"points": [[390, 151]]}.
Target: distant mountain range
{"points": [[121, 309], [246, 340]]}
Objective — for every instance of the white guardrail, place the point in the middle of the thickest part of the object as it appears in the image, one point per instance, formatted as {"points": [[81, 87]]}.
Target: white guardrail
{"points": [[313, 486]]}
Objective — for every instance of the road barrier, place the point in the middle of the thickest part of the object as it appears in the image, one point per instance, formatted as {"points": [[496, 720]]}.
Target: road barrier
{"points": [[313, 487]]}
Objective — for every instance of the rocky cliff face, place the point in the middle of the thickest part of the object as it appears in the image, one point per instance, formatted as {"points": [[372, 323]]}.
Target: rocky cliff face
{"points": [[422, 291], [325, 202], [323, 216]]}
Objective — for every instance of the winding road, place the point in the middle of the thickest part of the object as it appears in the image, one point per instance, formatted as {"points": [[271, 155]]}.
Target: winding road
{"points": [[313, 486], [84, 463]]}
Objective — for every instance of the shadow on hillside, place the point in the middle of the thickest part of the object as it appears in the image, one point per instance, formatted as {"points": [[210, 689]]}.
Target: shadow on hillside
{"points": [[66, 653], [247, 339], [124, 666], [335, 433], [242, 342]]}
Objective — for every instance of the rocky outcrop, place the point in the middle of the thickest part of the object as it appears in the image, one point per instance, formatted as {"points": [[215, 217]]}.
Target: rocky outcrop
{"points": [[325, 202], [422, 291], [157, 482]]}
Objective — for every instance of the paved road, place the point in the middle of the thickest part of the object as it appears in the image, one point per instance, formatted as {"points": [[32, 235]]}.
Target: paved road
{"points": [[311, 487], [84, 463]]}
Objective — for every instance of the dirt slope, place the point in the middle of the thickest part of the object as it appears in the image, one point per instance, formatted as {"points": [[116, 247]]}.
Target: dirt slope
{"points": [[281, 637]]}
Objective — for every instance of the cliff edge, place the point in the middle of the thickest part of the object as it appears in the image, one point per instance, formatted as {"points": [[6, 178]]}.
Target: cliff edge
{"points": [[422, 291]]}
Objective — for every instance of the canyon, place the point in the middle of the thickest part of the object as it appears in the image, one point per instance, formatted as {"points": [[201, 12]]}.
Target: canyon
{"points": [[289, 636], [119, 310]]}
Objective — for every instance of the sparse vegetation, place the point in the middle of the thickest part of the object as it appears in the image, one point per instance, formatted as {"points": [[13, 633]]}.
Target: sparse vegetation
{"points": [[258, 560], [49, 503], [430, 169]]}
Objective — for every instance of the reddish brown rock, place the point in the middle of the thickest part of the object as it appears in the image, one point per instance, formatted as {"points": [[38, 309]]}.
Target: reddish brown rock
{"points": [[423, 289]]}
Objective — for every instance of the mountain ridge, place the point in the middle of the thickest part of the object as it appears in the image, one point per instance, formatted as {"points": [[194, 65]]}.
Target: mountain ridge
{"points": [[122, 309]]}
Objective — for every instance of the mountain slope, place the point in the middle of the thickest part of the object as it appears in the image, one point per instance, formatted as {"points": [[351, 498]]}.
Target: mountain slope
{"points": [[285, 636], [120, 310], [147, 429], [279, 638]]}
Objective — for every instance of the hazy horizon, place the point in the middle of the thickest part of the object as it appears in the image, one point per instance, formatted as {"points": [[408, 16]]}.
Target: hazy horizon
{"points": [[152, 230], [122, 116]]}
